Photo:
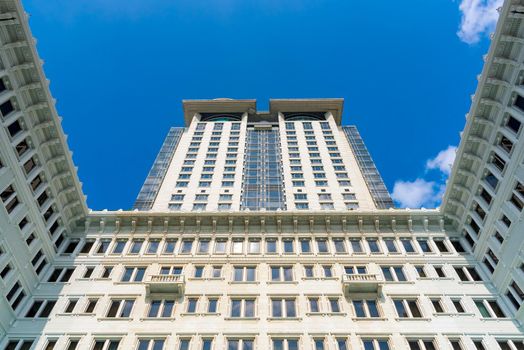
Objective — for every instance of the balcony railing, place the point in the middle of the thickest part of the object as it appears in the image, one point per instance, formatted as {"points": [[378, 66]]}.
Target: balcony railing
{"points": [[165, 284], [361, 283]]}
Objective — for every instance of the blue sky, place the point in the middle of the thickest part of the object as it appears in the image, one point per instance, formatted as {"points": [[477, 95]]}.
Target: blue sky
{"points": [[119, 70]]}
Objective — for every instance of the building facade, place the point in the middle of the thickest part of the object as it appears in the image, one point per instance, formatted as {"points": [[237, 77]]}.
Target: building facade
{"points": [[260, 229]]}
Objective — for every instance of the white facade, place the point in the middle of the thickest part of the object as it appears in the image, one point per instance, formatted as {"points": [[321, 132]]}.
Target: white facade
{"points": [[193, 269]]}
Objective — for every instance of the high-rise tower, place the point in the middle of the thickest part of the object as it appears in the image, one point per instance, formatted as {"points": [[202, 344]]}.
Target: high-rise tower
{"points": [[260, 230]]}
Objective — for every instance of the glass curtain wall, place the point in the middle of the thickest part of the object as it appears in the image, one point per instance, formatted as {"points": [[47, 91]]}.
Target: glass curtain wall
{"points": [[263, 183]]}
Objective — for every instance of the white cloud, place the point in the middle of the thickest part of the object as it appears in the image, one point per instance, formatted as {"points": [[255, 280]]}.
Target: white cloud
{"points": [[478, 17], [415, 194], [422, 192], [443, 161]]}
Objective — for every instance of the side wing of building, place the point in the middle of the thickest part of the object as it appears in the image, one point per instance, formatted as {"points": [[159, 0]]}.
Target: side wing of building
{"points": [[485, 193]]}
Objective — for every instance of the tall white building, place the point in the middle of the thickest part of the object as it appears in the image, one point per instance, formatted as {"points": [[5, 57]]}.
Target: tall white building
{"points": [[260, 230]]}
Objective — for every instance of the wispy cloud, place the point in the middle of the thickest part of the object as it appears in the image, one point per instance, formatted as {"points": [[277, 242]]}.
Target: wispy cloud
{"points": [[422, 192], [479, 17], [443, 161]]}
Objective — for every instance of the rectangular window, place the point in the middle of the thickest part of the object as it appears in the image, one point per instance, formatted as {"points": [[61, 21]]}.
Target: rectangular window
{"points": [[281, 273], [242, 307], [283, 307], [365, 308], [133, 274], [120, 308], [393, 273], [244, 273], [407, 308], [161, 308], [150, 344]]}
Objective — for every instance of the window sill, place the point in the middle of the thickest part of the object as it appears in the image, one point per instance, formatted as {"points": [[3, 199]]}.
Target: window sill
{"points": [[369, 318], [242, 318], [115, 319], [326, 314], [75, 314], [284, 318], [453, 314], [496, 319], [412, 319], [282, 282], [398, 282], [157, 319], [243, 282], [435, 278]]}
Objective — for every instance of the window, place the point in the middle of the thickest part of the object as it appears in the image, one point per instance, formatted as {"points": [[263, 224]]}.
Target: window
{"points": [[271, 246], [120, 308], [340, 245], [424, 245], [281, 273], [467, 274], [356, 245], [288, 246], [40, 308], [199, 271], [203, 246], [391, 245], [515, 294], [212, 304], [244, 273], [441, 245], [106, 271], [150, 344], [186, 247], [407, 308], [421, 271], [308, 271], [237, 247], [136, 246], [513, 124], [86, 248], [169, 246], [506, 144], [133, 274], [373, 245], [319, 343], [328, 271], [408, 245], [242, 307], [375, 344], [61, 274], [334, 305], [161, 308], [489, 309], [322, 245], [119, 246], [240, 344], [437, 304], [216, 272], [457, 304], [313, 304], [283, 307], [90, 306], [254, 246], [421, 344], [152, 248], [305, 245], [355, 270], [510, 344], [456, 344], [105, 344], [285, 344], [191, 305], [220, 246], [366, 308], [342, 344], [71, 304], [393, 273]]}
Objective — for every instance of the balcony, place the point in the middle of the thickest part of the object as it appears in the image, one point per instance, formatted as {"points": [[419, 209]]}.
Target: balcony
{"points": [[165, 284], [361, 283]]}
